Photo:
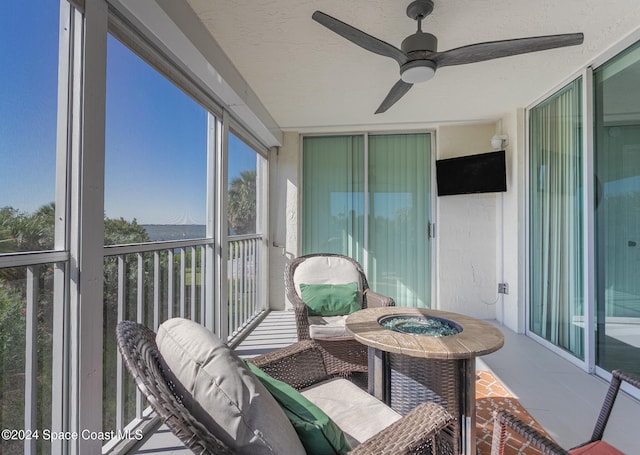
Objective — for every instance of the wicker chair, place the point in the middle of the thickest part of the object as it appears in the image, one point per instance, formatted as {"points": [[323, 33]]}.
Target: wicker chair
{"points": [[300, 365], [342, 353], [504, 420]]}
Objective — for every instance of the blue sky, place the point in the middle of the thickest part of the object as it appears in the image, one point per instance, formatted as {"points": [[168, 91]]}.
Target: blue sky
{"points": [[156, 135], [28, 84]]}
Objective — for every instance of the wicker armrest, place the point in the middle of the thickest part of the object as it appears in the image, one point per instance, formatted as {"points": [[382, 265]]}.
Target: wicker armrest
{"points": [[617, 378], [627, 377], [301, 312], [374, 300], [299, 365], [415, 431], [503, 419], [302, 319]]}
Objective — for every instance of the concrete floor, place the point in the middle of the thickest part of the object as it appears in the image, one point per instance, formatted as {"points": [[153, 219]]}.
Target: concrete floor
{"points": [[561, 397]]}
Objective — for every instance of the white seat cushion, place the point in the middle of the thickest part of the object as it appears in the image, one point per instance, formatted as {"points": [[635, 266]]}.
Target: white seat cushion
{"points": [[325, 327], [240, 410], [357, 413]]}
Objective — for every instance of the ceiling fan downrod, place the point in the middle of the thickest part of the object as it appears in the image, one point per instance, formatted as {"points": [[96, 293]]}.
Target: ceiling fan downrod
{"points": [[416, 46]]}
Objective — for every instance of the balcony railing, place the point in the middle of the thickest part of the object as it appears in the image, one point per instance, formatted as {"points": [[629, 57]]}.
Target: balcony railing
{"points": [[153, 282], [27, 367], [244, 277], [148, 283]]}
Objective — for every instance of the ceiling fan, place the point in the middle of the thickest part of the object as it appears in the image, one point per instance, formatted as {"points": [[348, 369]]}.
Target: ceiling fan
{"points": [[419, 58]]}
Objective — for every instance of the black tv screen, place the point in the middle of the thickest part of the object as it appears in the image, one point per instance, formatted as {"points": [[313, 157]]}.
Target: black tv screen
{"points": [[482, 173]]}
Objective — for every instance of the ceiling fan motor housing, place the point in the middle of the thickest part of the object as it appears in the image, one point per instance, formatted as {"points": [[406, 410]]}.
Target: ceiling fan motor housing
{"points": [[419, 42]]}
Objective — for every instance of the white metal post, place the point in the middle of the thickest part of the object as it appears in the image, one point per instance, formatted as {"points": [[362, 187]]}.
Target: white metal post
{"points": [[589, 245], [68, 86], [31, 360], [222, 245], [210, 315], [87, 232]]}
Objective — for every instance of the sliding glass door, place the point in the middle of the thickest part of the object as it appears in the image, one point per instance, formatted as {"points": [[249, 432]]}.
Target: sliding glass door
{"points": [[399, 214], [556, 303], [369, 197], [617, 165]]}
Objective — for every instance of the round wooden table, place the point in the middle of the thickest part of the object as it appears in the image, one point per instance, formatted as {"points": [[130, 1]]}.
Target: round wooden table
{"points": [[407, 369]]}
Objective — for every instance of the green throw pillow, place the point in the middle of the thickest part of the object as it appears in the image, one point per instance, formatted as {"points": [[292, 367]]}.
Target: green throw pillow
{"points": [[317, 432], [330, 299]]}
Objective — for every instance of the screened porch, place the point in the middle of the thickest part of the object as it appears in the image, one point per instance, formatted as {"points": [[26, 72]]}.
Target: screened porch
{"points": [[144, 175]]}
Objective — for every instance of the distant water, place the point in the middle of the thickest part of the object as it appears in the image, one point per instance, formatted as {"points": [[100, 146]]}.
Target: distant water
{"points": [[159, 232]]}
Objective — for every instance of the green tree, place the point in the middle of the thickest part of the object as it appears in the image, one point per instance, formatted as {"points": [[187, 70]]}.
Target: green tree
{"points": [[121, 232], [20, 231], [242, 204]]}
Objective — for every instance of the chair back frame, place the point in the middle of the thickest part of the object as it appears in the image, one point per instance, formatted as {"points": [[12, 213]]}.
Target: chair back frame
{"points": [[140, 353]]}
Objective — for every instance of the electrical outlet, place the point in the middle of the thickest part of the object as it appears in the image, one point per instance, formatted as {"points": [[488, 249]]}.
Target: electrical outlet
{"points": [[503, 288]]}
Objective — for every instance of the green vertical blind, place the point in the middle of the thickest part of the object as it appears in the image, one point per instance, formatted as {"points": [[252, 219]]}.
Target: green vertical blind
{"points": [[333, 195], [556, 225], [399, 214], [397, 189]]}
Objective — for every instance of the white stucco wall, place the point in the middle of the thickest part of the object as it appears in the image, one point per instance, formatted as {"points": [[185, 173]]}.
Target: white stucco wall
{"points": [[467, 229], [284, 177]]}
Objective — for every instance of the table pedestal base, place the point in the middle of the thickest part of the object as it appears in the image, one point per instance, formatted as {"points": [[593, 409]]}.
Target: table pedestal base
{"points": [[403, 382]]}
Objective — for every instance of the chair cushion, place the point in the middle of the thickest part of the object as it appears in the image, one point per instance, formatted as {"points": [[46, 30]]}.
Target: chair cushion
{"points": [[596, 448], [326, 270], [329, 327], [330, 299], [318, 433], [242, 413], [357, 413]]}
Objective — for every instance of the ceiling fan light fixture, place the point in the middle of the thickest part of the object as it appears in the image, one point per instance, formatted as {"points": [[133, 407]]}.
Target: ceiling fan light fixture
{"points": [[417, 71]]}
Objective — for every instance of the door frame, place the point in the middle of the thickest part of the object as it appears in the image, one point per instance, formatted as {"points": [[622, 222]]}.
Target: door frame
{"points": [[432, 197]]}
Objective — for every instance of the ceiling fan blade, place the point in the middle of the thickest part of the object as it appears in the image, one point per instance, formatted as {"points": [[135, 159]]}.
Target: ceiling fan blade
{"points": [[497, 49], [360, 38], [397, 91]]}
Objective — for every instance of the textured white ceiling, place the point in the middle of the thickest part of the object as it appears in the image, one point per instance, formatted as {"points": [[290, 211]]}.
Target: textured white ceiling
{"points": [[308, 77]]}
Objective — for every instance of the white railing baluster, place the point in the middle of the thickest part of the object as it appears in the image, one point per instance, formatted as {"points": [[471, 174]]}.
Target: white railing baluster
{"points": [[254, 289], [156, 290], [254, 275], [238, 282], [170, 284], [183, 274], [31, 359], [203, 274], [193, 284], [233, 289], [245, 282], [140, 289], [239, 277], [119, 365], [140, 319]]}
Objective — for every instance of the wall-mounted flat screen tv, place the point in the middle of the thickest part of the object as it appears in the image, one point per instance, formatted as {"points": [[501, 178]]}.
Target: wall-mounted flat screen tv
{"points": [[482, 173]]}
